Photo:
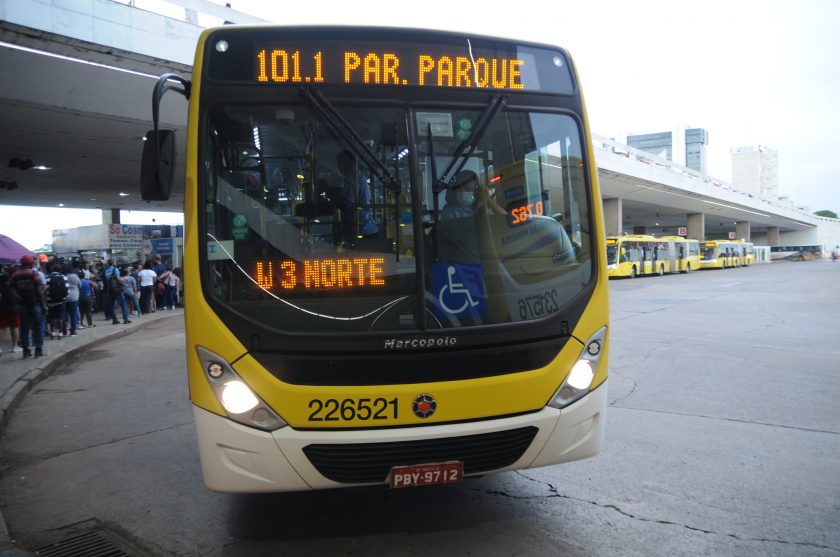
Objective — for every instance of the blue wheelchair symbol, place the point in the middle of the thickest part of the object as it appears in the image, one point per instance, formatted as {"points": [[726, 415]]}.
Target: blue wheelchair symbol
{"points": [[459, 290]]}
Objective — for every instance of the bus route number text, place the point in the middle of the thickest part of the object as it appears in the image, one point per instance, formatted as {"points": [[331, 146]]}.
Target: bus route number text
{"points": [[349, 409], [280, 65], [539, 305], [525, 212]]}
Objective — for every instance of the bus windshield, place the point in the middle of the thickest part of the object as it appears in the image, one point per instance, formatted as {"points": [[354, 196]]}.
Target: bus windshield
{"points": [[345, 221]]}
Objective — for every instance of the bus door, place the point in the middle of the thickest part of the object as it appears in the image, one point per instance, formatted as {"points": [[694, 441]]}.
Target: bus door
{"points": [[674, 259], [635, 256], [682, 259]]}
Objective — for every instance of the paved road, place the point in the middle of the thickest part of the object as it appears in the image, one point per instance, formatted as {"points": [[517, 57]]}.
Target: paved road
{"points": [[723, 438]]}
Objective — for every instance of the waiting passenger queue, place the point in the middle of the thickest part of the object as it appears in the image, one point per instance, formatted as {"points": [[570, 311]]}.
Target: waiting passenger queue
{"points": [[639, 254]]}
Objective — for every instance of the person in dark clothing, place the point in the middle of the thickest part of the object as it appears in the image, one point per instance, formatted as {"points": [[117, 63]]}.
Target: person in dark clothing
{"points": [[29, 287], [9, 316]]}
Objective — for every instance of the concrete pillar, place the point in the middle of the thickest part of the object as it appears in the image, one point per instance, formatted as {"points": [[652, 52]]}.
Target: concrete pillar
{"points": [[697, 226], [110, 216], [742, 230], [613, 216], [772, 235]]}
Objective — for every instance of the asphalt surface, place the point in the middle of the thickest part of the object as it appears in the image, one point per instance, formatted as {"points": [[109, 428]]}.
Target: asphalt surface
{"points": [[723, 438]]}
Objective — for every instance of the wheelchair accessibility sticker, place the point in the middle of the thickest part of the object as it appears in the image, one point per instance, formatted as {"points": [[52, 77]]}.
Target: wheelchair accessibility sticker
{"points": [[459, 290]]}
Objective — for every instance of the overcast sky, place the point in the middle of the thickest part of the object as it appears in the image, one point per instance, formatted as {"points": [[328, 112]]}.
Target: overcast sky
{"points": [[748, 71]]}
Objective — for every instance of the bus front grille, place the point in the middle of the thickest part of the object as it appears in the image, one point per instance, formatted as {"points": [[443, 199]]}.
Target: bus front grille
{"points": [[394, 369], [372, 462]]}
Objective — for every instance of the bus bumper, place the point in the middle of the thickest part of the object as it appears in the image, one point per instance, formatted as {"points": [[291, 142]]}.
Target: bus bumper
{"points": [[239, 459]]}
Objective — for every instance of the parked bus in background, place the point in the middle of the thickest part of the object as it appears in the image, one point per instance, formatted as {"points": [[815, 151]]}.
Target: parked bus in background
{"points": [[687, 253], [634, 255], [797, 253], [747, 253], [394, 257], [720, 254]]}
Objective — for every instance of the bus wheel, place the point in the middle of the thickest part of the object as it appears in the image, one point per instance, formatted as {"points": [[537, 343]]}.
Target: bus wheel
{"points": [[632, 272]]}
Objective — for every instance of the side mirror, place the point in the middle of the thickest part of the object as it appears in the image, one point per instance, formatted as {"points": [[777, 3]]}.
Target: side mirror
{"points": [[157, 170]]}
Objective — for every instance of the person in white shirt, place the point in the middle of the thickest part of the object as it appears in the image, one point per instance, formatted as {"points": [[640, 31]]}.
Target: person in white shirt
{"points": [[171, 281], [147, 279]]}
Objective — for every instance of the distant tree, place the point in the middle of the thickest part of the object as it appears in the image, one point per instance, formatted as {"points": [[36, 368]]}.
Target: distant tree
{"points": [[826, 213]]}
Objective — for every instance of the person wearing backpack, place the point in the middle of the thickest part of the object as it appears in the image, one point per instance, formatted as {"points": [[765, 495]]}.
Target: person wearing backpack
{"points": [[115, 290], [57, 290], [29, 288]]}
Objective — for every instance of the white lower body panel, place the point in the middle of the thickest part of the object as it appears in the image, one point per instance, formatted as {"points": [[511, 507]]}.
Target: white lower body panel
{"points": [[240, 459]]}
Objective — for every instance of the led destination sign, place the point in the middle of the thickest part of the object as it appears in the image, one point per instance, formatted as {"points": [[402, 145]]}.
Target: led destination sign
{"points": [[321, 274], [282, 65], [308, 57]]}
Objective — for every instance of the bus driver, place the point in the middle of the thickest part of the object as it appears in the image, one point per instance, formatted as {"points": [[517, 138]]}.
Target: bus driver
{"points": [[466, 197]]}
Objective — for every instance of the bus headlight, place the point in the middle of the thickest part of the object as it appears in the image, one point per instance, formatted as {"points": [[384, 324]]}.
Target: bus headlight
{"points": [[237, 398], [579, 380], [580, 377]]}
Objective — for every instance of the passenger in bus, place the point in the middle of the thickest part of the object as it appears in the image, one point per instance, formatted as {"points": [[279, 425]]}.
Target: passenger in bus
{"points": [[356, 215]]}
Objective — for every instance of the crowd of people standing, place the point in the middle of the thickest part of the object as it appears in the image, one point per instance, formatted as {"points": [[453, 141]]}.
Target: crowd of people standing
{"points": [[54, 298]]}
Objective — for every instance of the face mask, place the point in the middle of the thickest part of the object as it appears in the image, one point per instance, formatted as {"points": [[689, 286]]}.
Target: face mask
{"points": [[466, 198]]}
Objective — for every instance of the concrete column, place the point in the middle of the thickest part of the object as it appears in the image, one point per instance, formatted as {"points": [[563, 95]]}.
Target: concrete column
{"points": [[613, 216], [697, 226], [110, 216], [742, 230], [772, 235]]}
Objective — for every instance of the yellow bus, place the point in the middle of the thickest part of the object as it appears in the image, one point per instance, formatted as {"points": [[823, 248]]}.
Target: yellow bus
{"points": [[748, 254], [633, 255], [394, 258], [721, 254], [687, 253]]}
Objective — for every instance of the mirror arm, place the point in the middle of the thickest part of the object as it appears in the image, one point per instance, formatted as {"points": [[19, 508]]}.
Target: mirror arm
{"points": [[166, 82]]}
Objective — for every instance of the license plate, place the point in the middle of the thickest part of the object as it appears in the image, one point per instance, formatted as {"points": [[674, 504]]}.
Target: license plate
{"points": [[426, 474]]}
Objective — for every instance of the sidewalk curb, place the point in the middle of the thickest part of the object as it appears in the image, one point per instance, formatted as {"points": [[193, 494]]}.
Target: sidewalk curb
{"points": [[46, 366]]}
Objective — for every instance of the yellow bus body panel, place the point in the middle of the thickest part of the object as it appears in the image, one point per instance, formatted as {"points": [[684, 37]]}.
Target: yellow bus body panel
{"points": [[472, 399]]}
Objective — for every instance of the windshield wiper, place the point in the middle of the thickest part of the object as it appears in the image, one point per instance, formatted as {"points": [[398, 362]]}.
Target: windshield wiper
{"points": [[343, 128], [468, 146]]}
